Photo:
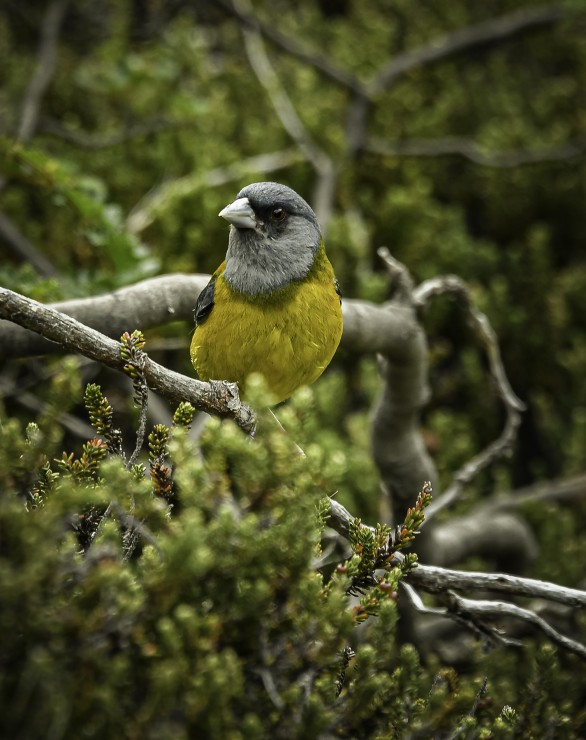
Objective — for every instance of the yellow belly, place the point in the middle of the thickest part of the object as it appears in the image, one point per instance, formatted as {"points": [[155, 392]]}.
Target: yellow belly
{"points": [[289, 337]]}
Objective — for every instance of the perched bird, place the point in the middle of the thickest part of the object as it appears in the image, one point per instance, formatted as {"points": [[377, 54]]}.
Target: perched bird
{"points": [[273, 306]]}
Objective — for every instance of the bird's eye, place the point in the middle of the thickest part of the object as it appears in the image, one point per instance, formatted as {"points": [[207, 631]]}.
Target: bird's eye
{"points": [[278, 214]]}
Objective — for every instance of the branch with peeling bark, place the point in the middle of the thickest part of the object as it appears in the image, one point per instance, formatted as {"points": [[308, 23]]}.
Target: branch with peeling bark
{"points": [[217, 397], [478, 614]]}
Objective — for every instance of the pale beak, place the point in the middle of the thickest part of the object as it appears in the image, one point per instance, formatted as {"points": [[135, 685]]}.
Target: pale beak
{"points": [[240, 214]]}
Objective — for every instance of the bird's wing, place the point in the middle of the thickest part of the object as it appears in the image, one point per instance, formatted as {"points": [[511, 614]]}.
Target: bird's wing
{"points": [[205, 302], [338, 289]]}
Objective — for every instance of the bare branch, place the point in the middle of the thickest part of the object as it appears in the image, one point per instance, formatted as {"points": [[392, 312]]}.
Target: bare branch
{"points": [[266, 75], [316, 60], [487, 32], [397, 443], [368, 327], [477, 611], [217, 397], [470, 150], [44, 70], [149, 303], [102, 140], [551, 490], [513, 405], [161, 197], [33, 96], [281, 102], [21, 246], [438, 580]]}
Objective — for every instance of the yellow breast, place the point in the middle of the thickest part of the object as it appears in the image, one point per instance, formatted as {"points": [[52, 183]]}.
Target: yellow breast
{"points": [[289, 336]]}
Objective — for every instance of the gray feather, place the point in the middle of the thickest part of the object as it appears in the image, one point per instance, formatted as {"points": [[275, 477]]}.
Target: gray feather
{"points": [[275, 253]]}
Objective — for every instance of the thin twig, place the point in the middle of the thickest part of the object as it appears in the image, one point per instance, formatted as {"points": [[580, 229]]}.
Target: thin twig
{"points": [[322, 163], [560, 490], [280, 100], [44, 70], [452, 145], [291, 46], [133, 524], [513, 405], [490, 31], [162, 196], [141, 394], [102, 140], [476, 611], [23, 248]]}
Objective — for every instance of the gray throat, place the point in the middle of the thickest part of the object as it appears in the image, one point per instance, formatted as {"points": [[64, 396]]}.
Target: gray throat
{"points": [[258, 265]]}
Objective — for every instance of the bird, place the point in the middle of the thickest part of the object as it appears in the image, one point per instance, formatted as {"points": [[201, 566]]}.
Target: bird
{"points": [[274, 305]]}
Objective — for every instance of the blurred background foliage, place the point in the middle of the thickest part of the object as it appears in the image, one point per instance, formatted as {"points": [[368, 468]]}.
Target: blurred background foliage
{"points": [[154, 119]]}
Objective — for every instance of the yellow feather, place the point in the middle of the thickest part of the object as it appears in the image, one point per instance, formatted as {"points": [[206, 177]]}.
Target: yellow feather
{"points": [[289, 336]]}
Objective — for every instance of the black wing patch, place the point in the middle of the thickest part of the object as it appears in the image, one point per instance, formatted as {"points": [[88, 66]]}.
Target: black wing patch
{"points": [[338, 289], [205, 303]]}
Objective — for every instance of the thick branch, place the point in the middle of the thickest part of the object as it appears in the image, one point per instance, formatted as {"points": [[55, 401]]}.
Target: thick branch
{"points": [[398, 446], [154, 302], [220, 398], [437, 580]]}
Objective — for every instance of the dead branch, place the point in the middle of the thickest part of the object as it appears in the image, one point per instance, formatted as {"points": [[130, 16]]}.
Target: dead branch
{"points": [[22, 247], [44, 69], [564, 490], [436, 580], [149, 303], [101, 140], [474, 613], [452, 145], [397, 444], [217, 397], [291, 46], [477, 612], [454, 285], [368, 327], [285, 110], [161, 197], [487, 32], [31, 106]]}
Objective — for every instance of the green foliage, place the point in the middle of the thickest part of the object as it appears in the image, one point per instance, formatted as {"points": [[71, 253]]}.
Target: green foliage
{"points": [[208, 618]]}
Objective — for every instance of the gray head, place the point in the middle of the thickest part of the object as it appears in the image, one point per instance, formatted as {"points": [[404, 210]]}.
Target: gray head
{"points": [[274, 238]]}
